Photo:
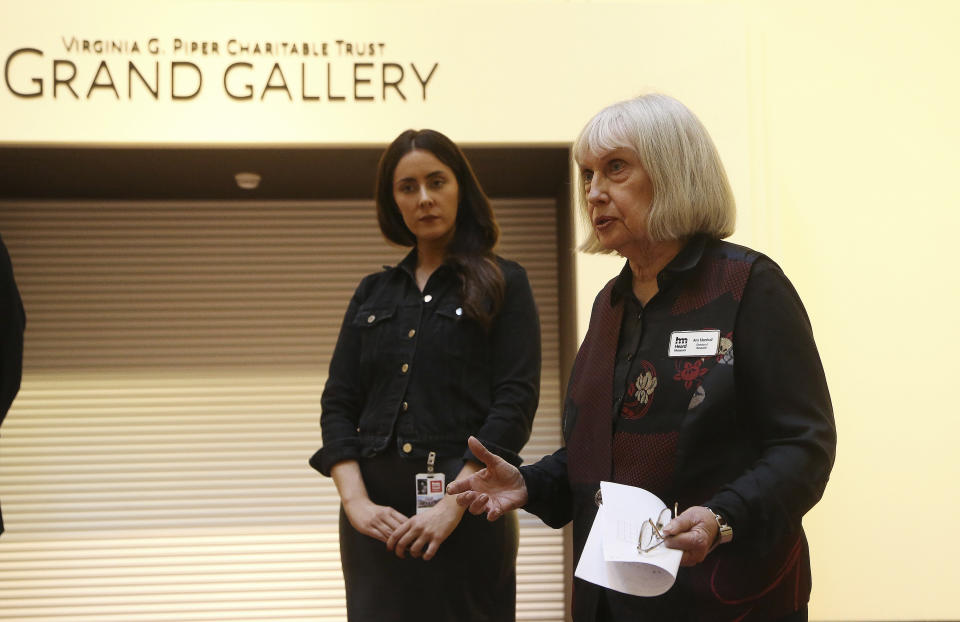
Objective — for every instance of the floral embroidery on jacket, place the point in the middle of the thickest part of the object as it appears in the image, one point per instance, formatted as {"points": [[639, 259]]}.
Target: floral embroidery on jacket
{"points": [[725, 353], [690, 373], [640, 392], [698, 396]]}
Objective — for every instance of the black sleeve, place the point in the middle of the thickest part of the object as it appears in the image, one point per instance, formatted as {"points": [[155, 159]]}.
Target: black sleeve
{"points": [[515, 373], [784, 405], [548, 489], [12, 324], [343, 398]]}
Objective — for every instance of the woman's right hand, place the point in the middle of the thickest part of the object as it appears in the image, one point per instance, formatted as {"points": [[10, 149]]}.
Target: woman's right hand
{"points": [[496, 489], [370, 519]]}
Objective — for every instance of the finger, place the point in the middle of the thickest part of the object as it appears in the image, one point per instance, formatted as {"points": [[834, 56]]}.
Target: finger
{"points": [[460, 486], [481, 452], [467, 484], [431, 551], [394, 519], [403, 544], [678, 525], [399, 549], [479, 504], [467, 499], [416, 549], [398, 533], [377, 534], [464, 499], [676, 542], [695, 542], [685, 541]]}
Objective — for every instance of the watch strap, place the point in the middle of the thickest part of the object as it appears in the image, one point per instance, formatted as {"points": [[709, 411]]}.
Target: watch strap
{"points": [[725, 531]]}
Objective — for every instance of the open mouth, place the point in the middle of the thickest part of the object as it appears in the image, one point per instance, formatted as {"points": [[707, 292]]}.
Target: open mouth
{"points": [[602, 221]]}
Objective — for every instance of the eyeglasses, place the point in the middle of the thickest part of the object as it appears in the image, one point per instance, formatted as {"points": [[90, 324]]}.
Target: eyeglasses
{"points": [[651, 534]]}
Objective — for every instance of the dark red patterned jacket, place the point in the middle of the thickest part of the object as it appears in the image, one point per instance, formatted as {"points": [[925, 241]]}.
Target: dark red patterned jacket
{"points": [[748, 432]]}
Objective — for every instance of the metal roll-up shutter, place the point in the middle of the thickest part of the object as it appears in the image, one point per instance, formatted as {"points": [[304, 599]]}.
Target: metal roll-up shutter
{"points": [[154, 465]]}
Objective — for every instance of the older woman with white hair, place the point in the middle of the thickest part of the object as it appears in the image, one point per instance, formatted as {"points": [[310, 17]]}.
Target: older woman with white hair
{"points": [[698, 380]]}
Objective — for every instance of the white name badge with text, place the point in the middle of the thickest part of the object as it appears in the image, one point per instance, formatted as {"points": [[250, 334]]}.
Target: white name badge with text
{"points": [[694, 343], [430, 490]]}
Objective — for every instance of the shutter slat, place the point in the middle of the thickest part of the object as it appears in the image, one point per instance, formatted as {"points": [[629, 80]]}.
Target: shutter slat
{"points": [[154, 465]]}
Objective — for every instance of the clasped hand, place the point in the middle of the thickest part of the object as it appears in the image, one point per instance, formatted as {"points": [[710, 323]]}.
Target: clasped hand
{"points": [[421, 534]]}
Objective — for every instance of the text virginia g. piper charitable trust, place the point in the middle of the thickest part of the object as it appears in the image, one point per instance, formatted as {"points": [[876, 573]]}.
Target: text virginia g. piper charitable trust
{"points": [[323, 71]]}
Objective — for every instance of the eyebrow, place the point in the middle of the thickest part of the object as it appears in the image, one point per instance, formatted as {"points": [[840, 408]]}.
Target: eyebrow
{"points": [[616, 153], [429, 175], [612, 154]]}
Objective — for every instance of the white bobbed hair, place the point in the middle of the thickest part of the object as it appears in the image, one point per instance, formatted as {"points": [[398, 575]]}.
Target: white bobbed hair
{"points": [[691, 193]]}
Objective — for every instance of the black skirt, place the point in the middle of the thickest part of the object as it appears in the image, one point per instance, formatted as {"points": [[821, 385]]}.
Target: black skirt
{"points": [[472, 578]]}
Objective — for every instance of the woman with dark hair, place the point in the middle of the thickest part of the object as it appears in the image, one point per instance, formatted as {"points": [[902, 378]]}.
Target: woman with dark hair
{"points": [[443, 346]]}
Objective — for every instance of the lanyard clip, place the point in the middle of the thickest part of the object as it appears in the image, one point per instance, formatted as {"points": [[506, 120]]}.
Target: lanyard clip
{"points": [[431, 459]]}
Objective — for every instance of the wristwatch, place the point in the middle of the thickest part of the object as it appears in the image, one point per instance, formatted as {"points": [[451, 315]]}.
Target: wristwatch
{"points": [[726, 531]]}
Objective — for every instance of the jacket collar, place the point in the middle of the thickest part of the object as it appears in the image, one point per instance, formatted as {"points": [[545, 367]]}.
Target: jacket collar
{"points": [[408, 265], [686, 260]]}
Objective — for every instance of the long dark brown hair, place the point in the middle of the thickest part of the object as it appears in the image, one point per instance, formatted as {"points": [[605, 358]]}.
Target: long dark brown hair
{"points": [[470, 251]]}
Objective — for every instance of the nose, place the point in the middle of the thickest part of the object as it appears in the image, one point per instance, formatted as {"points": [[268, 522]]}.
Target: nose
{"points": [[425, 198], [597, 192]]}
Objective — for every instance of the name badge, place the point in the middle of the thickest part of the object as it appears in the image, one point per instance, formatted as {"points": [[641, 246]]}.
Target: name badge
{"points": [[694, 343], [430, 490]]}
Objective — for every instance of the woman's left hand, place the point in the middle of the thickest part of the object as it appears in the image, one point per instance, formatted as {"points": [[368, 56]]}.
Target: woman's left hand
{"points": [[694, 532], [422, 534]]}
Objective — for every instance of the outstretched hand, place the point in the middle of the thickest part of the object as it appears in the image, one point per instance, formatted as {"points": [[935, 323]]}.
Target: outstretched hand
{"points": [[496, 489]]}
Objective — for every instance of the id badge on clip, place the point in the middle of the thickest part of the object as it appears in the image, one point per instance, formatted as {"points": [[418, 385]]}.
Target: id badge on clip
{"points": [[430, 486]]}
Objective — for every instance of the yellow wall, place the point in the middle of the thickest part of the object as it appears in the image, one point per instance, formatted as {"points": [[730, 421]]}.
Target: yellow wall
{"points": [[838, 124], [854, 137], [859, 156]]}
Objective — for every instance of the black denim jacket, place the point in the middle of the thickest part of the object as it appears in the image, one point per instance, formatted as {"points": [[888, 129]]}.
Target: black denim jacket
{"points": [[411, 371]]}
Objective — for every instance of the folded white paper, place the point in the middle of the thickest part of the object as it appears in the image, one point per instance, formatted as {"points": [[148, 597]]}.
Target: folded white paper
{"points": [[610, 557]]}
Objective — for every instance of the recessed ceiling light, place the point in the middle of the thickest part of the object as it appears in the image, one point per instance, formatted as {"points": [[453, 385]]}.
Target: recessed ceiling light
{"points": [[247, 181]]}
